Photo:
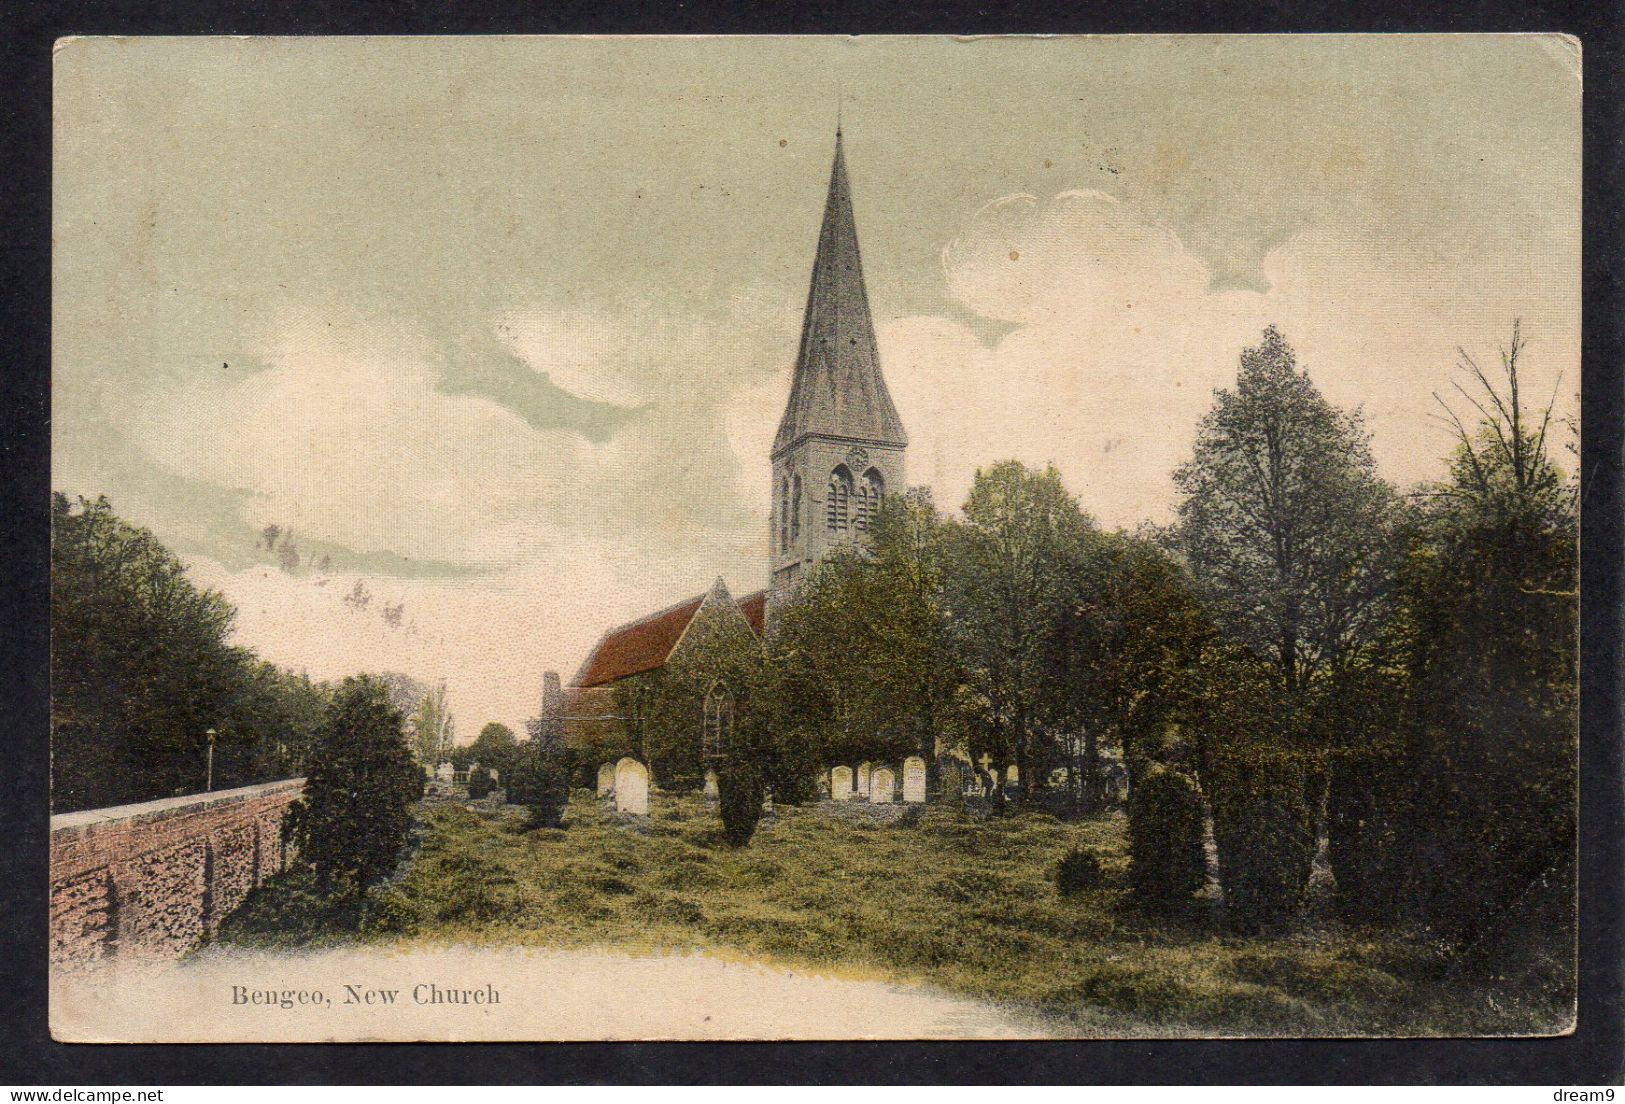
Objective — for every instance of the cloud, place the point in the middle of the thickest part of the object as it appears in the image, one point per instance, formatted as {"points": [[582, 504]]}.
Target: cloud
{"points": [[1115, 336]]}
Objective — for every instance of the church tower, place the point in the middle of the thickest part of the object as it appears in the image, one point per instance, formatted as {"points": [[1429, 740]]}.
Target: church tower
{"points": [[840, 443]]}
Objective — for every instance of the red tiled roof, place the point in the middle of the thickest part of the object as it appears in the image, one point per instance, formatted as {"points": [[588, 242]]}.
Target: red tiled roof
{"points": [[646, 643], [754, 607]]}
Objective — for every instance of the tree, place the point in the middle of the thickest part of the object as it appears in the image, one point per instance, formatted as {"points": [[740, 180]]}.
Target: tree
{"points": [[1125, 653], [494, 747], [1490, 596], [430, 729], [351, 822], [1004, 564], [142, 670], [540, 774], [860, 664], [1284, 522]]}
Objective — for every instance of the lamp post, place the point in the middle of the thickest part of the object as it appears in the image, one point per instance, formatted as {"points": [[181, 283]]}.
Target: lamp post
{"points": [[208, 785]]}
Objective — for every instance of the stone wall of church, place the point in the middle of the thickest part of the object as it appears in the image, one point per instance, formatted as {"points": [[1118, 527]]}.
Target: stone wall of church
{"points": [[152, 879]]}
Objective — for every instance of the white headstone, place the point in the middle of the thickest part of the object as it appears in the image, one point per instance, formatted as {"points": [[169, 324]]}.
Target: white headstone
{"points": [[863, 779], [606, 779], [445, 771], [632, 787], [840, 784], [1012, 775], [711, 783], [881, 784], [913, 778]]}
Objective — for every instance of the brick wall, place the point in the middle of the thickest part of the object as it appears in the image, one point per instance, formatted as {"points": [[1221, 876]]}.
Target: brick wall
{"points": [[151, 879]]}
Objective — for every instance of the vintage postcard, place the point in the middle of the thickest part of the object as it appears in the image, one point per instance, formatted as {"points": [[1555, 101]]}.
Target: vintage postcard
{"points": [[814, 538]]}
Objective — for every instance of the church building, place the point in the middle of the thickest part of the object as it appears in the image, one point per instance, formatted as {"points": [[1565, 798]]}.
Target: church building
{"points": [[838, 449]]}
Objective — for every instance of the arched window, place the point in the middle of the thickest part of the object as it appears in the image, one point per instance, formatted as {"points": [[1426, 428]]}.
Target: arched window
{"points": [[795, 508], [838, 507], [869, 498], [784, 510], [719, 721]]}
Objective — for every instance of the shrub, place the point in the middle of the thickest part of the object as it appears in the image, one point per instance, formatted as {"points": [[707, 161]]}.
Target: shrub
{"points": [[1078, 870], [1266, 835], [1367, 838], [540, 776], [479, 783], [351, 823], [740, 793], [1166, 859]]}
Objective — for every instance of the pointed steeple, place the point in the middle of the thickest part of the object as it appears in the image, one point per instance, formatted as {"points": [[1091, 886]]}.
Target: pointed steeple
{"points": [[838, 390]]}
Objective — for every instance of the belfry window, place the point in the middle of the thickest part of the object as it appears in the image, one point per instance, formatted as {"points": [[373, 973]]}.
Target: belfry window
{"points": [[795, 508], [838, 505], [719, 721], [869, 499], [784, 510]]}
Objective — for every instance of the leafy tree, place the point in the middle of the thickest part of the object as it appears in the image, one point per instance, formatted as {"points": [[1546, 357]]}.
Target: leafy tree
{"points": [[540, 775], [141, 670], [430, 728], [860, 664], [1125, 654], [494, 747], [351, 822], [1004, 565], [1491, 598], [1284, 522]]}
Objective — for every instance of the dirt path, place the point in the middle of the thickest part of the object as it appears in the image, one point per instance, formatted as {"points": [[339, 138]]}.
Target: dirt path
{"points": [[541, 995]]}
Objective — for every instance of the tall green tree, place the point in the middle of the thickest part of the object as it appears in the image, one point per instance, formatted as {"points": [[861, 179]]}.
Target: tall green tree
{"points": [[1005, 566], [860, 662], [1490, 592], [1284, 522], [142, 669], [1126, 654]]}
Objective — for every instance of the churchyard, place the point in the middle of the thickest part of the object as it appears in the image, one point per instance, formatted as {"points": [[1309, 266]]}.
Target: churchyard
{"points": [[925, 895]]}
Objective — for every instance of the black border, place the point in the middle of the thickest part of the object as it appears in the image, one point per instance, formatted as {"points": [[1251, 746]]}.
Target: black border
{"points": [[1594, 1055]]}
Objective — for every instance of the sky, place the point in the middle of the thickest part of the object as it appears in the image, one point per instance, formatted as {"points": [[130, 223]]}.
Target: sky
{"points": [[500, 329]]}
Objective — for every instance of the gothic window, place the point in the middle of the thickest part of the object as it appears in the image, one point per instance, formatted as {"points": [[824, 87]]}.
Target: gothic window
{"points": [[868, 499], [795, 508], [784, 510], [719, 721], [838, 506]]}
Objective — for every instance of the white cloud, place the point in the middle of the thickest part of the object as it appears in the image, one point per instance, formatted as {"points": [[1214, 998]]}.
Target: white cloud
{"points": [[1118, 341]]}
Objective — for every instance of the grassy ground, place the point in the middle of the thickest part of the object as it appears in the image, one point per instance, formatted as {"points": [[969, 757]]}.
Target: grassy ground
{"points": [[967, 906]]}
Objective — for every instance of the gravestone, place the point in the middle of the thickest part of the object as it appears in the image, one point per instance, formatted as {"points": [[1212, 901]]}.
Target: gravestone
{"points": [[840, 784], [632, 787], [711, 783], [881, 784], [913, 779], [863, 779], [606, 779], [444, 771], [1012, 776]]}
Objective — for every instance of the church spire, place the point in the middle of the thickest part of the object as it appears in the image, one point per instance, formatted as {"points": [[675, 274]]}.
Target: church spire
{"points": [[838, 390]]}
